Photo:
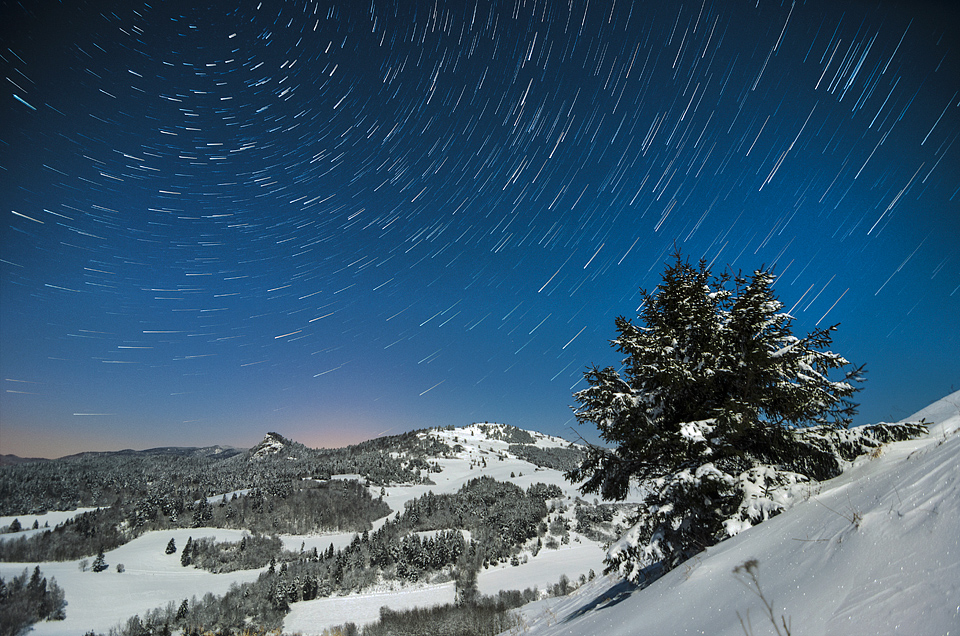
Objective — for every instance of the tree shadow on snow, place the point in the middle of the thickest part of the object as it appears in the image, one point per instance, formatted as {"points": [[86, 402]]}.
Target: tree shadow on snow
{"points": [[619, 592], [608, 598]]}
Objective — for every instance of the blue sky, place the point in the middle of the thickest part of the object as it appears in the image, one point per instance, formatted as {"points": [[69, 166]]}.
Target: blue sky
{"points": [[341, 220]]}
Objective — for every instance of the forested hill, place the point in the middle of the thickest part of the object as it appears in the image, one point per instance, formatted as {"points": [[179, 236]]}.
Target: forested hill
{"points": [[13, 460], [189, 473], [419, 508]]}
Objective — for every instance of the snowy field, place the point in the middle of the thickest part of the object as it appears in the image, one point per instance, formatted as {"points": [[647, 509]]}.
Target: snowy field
{"points": [[152, 578], [26, 522], [312, 617], [545, 569]]}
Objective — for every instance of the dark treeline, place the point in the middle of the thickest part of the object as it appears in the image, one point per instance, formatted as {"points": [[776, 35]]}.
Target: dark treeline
{"points": [[82, 536], [251, 552], [98, 479], [596, 521], [562, 459], [487, 617], [25, 600], [500, 515], [375, 461], [506, 433], [241, 612], [303, 508]]}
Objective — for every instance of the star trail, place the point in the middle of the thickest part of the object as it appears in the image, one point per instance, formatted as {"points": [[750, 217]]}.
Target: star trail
{"points": [[332, 219]]}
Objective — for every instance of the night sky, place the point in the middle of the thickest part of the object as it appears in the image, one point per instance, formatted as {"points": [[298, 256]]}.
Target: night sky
{"points": [[337, 220]]}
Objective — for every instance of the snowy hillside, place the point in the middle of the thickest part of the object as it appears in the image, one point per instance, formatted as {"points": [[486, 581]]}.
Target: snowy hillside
{"points": [[153, 579], [874, 551], [484, 450]]}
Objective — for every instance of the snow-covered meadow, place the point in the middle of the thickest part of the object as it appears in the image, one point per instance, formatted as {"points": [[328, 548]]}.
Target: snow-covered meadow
{"points": [[99, 601]]}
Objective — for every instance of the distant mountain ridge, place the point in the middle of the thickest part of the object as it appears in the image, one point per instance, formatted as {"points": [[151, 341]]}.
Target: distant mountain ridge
{"points": [[274, 444], [181, 451], [87, 479], [223, 452], [13, 460]]}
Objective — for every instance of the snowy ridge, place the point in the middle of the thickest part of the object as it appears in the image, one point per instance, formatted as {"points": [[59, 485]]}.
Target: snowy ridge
{"points": [[496, 436]]}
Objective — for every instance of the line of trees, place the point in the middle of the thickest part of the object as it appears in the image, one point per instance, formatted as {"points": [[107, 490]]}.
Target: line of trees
{"points": [[251, 552], [27, 599], [100, 479], [301, 508]]}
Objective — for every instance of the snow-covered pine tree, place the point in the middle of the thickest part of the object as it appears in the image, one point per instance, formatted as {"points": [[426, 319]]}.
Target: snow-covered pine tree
{"points": [[186, 556], [182, 611], [707, 413], [100, 563]]}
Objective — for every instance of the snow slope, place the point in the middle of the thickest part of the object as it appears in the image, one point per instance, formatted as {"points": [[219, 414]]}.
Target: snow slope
{"points": [[310, 618], [152, 579], [874, 551]]}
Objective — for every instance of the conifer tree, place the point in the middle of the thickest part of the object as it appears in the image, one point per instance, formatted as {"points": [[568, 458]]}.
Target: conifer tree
{"points": [[186, 556], [100, 563], [182, 611], [714, 394], [171, 547]]}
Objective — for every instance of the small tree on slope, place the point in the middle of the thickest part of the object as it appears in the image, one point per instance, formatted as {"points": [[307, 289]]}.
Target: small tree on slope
{"points": [[100, 563], [707, 413]]}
